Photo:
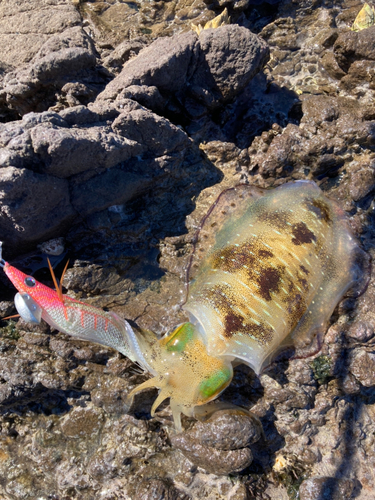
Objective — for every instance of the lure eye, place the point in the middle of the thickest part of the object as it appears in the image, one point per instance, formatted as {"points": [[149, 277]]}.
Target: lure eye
{"points": [[30, 282]]}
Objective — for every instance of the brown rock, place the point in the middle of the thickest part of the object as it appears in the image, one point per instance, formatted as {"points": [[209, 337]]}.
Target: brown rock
{"points": [[224, 430], [360, 72], [362, 366], [217, 461], [219, 444], [326, 488], [81, 422], [330, 64], [362, 181], [282, 34], [351, 46], [153, 489]]}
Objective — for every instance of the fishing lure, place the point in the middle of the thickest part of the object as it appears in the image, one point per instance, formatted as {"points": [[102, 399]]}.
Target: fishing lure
{"points": [[273, 267]]}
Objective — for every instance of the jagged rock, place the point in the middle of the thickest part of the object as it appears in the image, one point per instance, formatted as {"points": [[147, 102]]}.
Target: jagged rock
{"points": [[122, 53], [354, 46], [355, 55], [212, 68], [63, 57], [321, 142], [43, 149], [26, 221], [229, 57], [155, 134], [115, 149], [166, 64]]}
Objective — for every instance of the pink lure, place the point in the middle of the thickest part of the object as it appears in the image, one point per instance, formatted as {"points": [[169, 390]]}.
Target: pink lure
{"points": [[35, 301]]}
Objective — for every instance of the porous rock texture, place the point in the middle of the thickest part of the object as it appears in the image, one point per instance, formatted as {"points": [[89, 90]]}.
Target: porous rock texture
{"points": [[120, 127]]}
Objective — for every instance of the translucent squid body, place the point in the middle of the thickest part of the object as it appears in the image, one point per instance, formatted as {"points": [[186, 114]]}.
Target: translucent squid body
{"points": [[268, 271]]}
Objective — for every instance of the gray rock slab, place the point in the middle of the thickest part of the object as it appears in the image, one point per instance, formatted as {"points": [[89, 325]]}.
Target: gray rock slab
{"points": [[33, 206], [165, 64], [66, 152], [157, 134], [63, 57], [26, 25]]}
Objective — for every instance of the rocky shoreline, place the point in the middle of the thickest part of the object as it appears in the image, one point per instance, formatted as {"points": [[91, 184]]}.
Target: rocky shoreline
{"points": [[116, 139]]}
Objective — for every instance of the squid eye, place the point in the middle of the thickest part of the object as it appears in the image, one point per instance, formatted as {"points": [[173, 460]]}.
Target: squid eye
{"points": [[29, 281]]}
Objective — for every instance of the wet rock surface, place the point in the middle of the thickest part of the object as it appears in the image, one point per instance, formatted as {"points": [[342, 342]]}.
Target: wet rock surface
{"points": [[221, 444], [118, 140]]}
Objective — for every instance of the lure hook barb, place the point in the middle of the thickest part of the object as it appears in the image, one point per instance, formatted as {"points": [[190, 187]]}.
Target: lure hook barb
{"points": [[2, 261]]}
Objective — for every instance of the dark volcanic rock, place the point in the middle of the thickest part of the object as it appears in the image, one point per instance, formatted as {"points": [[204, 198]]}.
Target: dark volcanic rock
{"points": [[157, 135], [225, 430], [82, 422], [228, 59], [64, 57], [212, 68], [115, 149], [80, 165], [216, 461], [166, 64], [362, 366], [321, 144], [23, 220], [122, 53]]}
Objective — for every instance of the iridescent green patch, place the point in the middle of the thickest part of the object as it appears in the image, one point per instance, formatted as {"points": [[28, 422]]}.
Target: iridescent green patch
{"points": [[216, 383], [180, 338]]}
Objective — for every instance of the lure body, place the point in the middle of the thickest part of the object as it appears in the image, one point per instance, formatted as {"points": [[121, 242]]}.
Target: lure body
{"points": [[35, 301], [269, 277]]}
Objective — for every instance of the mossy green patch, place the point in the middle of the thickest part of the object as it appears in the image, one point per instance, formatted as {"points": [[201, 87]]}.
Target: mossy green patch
{"points": [[321, 367], [9, 331]]}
